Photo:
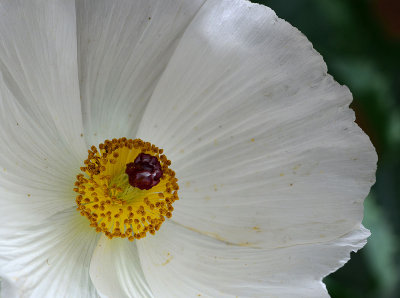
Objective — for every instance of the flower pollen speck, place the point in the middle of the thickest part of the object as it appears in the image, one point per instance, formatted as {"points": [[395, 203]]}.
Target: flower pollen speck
{"points": [[172, 148]]}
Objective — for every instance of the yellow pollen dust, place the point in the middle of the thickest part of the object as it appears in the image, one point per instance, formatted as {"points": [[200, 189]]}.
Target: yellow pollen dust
{"points": [[111, 204]]}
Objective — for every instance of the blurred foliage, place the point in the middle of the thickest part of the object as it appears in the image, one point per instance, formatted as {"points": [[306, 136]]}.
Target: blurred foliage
{"points": [[360, 42]]}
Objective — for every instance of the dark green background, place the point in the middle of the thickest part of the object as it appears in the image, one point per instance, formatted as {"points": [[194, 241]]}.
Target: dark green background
{"points": [[360, 42]]}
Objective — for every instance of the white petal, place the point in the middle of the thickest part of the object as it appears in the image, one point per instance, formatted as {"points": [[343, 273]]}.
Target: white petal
{"points": [[37, 170], [8, 289], [38, 62], [261, 138], [123, 47], [50, 259], [182, 263], [116, 271], [40, 117]]}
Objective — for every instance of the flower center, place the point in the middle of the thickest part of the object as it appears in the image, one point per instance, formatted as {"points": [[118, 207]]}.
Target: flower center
{"points": [[126, 189]]}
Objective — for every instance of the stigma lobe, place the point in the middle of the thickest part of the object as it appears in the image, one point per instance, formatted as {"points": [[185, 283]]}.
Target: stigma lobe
{"points": [[145, 172]]}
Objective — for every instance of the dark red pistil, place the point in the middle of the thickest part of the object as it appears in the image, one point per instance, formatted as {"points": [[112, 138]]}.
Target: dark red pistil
{"points": [[145, 172]]}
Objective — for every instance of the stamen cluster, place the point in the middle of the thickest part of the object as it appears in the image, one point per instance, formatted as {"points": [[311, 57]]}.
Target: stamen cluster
{"points": [[112, 205]]}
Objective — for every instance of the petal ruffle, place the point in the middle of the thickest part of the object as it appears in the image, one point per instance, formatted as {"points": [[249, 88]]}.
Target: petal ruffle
{"points": [[123, 47], [261, 138], [50, 259], [183, 263], [116, 271]]}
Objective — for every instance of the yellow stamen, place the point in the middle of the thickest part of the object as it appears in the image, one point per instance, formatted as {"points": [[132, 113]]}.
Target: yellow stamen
{"points": [[111, 204]]}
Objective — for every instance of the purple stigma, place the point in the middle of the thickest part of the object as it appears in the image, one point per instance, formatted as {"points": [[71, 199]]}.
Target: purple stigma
{"points": [[145, 172]]}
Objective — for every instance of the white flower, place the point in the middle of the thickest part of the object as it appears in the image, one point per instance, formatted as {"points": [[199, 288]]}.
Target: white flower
{"points": [[272, 168]]}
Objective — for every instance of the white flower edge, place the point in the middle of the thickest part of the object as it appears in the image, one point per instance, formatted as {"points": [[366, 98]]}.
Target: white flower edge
{"points": [[272, 162], [183, 263], [259, 146]]}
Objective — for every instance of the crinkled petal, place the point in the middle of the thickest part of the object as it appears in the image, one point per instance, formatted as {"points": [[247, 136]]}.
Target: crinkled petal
{"points": [[50, 259], [40, 116], [179, 262], [261, 138], [123, 47], [116, 271]]}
